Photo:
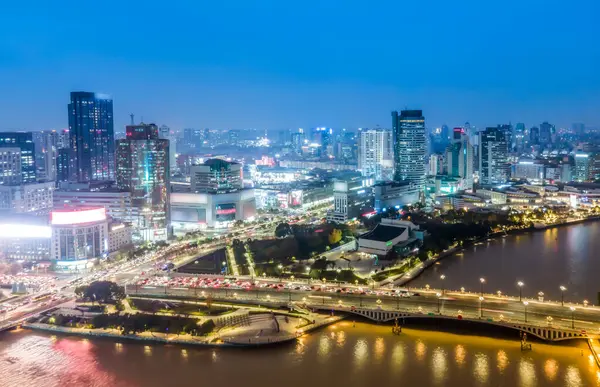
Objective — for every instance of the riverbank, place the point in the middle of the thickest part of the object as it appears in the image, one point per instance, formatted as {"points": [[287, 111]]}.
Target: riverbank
{"points": [[416, 272], [234, 336]]}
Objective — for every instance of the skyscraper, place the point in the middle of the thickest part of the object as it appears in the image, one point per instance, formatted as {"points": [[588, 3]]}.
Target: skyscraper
{"points": [[519, 137], [375, 155], [546, 132], [143, 170], [493, 156], [534, 135], [92, 137], [23, 141], [409, 147], [459, 157]]}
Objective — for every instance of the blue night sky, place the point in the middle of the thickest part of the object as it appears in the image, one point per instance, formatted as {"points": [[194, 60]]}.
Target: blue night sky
{"points": [[288, 64]]}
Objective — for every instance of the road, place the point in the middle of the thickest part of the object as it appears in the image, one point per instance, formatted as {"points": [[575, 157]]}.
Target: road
{"points": [[452, 304]]}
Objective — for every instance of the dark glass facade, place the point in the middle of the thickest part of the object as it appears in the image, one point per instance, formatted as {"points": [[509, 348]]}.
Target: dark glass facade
{"points": [[143, 170], [23, 141], [409, 147], [91, 137]]}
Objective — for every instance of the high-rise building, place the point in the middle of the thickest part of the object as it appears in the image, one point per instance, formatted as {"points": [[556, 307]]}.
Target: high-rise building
{"points": [[410, 147], [233, 137], [546, 132], [534, 135], [47, 145], [165, 132], [323, 137], [493, 156], [216, 176], [91, 132], [508, 133], [375, 156], [519, 137], [459, 157], [10, 166], [23, 141], [143, 170], [583, 167], [578, 128], [298, 141]]}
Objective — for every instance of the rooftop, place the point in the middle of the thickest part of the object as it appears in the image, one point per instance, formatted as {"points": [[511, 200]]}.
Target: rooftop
{"points": [[383, 233]]}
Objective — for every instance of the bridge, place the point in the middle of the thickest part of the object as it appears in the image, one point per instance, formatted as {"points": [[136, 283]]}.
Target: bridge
{"points": [[546, 320]]}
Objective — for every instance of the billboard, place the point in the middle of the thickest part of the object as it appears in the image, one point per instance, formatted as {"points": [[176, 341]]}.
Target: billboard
{"points": [[225, 212], [70, 217]]}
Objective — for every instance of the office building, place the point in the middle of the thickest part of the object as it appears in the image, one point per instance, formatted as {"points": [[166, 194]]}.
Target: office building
{"points": [[23, 141], [519, 139], [10, 166], [352, 197], [583, 170], [116, 202], [493, 156], [298, 141], [410, 147], [375, 156], [546, 132], [459, 158], [165, 133], [534, 136], [91, 137], [216, 176], [25, 237], [578, 128], [528, 169], [143, 170], [322, 138], [35, 198]]}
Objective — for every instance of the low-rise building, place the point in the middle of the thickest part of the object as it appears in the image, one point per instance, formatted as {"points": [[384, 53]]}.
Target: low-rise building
{"points": [[387, 235], [34, 198]]}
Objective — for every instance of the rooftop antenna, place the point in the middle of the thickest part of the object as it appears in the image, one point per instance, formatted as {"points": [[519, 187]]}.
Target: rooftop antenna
{"points": [[131, 115]]}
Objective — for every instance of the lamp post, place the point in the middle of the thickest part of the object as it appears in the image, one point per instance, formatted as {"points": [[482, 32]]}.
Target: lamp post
{"points": [[572, 317], [439, 296], [442, 277], [520, 284], [562, 295], [481, 281], [480, 306], [525, 303]]}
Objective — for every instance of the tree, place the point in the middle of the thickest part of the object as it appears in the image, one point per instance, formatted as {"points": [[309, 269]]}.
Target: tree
{"points": [[101, 291], [335, 236], [282, 230]]}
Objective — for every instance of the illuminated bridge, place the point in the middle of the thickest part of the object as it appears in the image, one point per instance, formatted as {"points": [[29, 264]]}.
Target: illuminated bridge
{"points": [[545, 320]]}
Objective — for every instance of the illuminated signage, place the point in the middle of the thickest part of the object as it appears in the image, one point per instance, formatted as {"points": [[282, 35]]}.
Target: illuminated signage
{"points": [[226, 211], [77, 217], [24, 231]]}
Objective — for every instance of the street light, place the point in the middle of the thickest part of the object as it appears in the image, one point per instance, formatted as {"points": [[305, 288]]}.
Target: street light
{"points": [[482, 281], [439, 295], [442, 277], [526, 303], [562, 295], [481, 306], [520, 284], [572, 317]]}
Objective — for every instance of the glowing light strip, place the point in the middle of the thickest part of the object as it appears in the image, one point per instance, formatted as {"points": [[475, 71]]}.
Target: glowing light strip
{"points": [[77, 217]]}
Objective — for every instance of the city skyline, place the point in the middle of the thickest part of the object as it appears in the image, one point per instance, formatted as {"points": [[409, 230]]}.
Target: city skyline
{"points": [[275, 70]]}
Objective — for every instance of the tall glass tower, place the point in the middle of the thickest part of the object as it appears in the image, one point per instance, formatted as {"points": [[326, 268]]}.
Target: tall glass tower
{"points": [[92, 137], [409, 147], [23, 141], [143, 170]]}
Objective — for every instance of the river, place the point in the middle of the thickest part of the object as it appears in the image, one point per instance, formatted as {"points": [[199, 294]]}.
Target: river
{"points": [[543, 260], [339, 355]]}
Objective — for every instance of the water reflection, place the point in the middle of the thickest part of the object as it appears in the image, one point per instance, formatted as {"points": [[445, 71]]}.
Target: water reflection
{"points": [[459, 355], [550, 369], [527, 373], [502, 360], [361, 352], [439, 365], [379, 348], [363, 355], [420, 350], [566, 254], [481, 369], [572, 377]]}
